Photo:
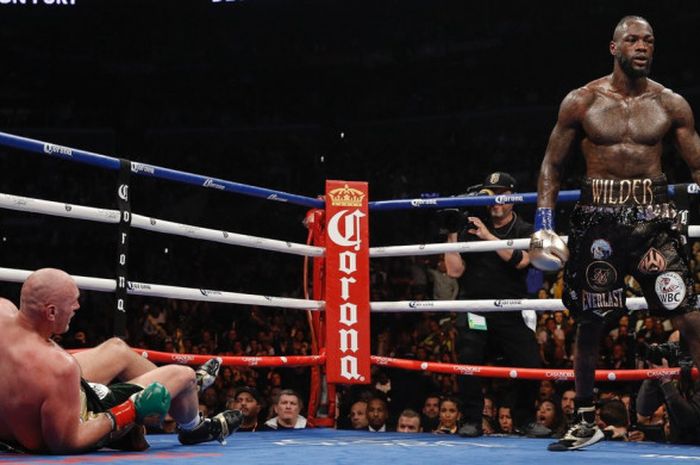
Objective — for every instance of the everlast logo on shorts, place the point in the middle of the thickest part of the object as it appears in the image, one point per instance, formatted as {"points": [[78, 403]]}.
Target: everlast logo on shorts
{"points": [[622, 192], [598, 300]]}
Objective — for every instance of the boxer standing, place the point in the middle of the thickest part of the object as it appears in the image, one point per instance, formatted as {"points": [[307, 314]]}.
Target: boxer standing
{"points": [[624, 222]]}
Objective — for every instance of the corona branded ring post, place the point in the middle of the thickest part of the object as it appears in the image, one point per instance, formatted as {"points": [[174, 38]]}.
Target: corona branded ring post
{"points": [[347, 282]]}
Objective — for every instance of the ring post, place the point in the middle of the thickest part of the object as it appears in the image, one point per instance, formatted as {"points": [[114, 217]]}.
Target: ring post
{"points": [[121, 296], [347, 283]]}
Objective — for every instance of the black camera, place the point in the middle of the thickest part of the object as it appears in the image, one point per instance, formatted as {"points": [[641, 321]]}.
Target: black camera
{"points": [[653, 353], [451, 220]]}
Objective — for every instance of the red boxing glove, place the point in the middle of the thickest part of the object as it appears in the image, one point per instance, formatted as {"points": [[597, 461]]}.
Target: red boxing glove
{"points": [[122, 415], [154, 400]]}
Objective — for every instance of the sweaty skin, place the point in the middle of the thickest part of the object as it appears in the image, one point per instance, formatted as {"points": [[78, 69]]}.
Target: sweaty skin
{"points": [[39, 405], [620, 121], [40, 401]]}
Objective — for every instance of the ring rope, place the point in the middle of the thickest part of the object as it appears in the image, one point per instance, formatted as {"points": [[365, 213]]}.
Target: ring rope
{"points": [[442, 247], [524, 373], [229, 360], [416, 365], [467, 247], [81, 212], [486, 200], [143, 169], [486, 305], [409, 306], [174, 292]]}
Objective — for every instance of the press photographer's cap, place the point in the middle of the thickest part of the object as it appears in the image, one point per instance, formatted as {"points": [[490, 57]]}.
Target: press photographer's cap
{"points": [[500, 180]]}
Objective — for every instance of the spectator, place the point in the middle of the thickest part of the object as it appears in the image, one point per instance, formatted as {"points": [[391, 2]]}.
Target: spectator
{"points": [[505, 420], [409, 422], [248, 401], [617, 358], [358, 415], [549, 415], [613, 420], [377, 415], [210, 398], [430, 417], [546, 390], [450, 414], [445, 287], [488, 422], [567, 405], [288, 406]]}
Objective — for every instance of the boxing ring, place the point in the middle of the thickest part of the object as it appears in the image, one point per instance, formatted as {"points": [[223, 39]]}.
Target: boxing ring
{"points": [[317, 443], [322, 445]]}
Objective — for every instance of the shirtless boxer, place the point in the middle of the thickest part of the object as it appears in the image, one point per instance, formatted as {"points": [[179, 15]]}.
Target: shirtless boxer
{"points": [[624, 222], [50, 408]]}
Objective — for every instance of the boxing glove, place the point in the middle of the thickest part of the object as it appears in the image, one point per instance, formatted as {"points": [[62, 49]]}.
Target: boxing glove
{"points": [[548, 252], [154, 400]]}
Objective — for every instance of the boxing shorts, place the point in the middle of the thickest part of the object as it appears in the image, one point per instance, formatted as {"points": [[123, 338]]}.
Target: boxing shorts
{"points": [[626, 227], [97, 398], [94, 399]]}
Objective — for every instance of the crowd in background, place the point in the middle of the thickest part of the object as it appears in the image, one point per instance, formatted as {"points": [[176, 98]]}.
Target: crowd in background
{"points": [[421, 102], [203, 328]]}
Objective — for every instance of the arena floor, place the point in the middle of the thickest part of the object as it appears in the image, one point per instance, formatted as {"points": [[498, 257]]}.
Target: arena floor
{"points": [[327, 446]]}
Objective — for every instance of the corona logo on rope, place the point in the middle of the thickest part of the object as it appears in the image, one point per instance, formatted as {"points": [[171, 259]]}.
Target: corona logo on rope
{"points": [[347, 282]]}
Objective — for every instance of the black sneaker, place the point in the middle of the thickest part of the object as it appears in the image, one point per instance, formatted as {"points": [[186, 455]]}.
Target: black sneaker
{"points": [[580, 434], [207, 373], [219, 427]]}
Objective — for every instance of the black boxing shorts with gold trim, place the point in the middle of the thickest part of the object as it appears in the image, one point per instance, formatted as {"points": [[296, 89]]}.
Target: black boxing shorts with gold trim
{"points": [[626, 227], [97, 398]]}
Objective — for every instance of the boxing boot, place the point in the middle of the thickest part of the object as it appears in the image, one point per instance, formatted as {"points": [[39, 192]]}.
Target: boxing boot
{"points": [[217, 428], [207, 373], [581, 434]]}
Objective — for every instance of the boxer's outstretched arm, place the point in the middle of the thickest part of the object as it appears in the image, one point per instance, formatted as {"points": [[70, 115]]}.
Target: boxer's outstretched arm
{"points": [[683, 133], [561, 140]]}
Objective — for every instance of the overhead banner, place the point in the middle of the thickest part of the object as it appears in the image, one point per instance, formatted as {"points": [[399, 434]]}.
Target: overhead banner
{"points": [[347, 283]]}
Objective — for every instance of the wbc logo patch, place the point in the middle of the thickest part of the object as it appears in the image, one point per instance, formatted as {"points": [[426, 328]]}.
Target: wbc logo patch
{"points": [[670, 289]]}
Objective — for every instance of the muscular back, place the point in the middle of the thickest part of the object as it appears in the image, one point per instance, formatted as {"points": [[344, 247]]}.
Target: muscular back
{"points": [[31, 367], [622, 136]]}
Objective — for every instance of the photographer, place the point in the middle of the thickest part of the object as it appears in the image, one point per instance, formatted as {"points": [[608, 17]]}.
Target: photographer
{"points": [[681, 398], [489, 275]]}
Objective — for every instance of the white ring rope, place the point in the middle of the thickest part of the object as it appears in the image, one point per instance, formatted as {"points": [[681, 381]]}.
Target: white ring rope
{"points": [[47, 207], [477, 246], [207, 295], [174, 292], [486, 306], [27, 204], [434, 249]]}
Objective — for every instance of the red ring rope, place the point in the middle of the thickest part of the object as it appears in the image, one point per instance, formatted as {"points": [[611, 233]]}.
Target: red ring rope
{"points": [[417, 365], [524, 373], [268, 361]]}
